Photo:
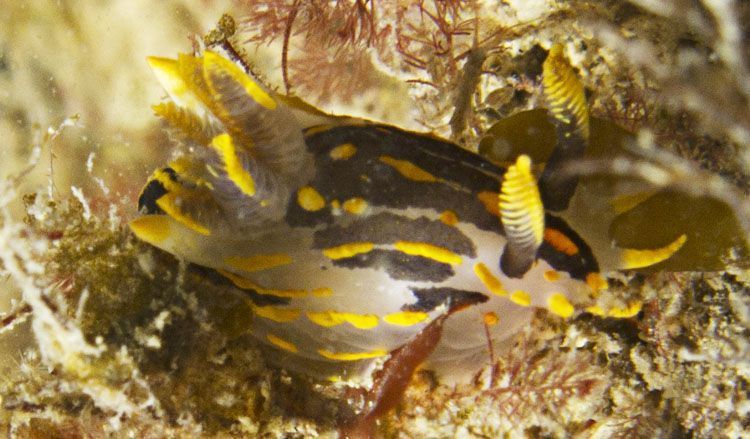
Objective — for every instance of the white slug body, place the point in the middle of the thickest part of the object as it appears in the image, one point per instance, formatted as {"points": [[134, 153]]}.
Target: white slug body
{"points": [[350, 238]]}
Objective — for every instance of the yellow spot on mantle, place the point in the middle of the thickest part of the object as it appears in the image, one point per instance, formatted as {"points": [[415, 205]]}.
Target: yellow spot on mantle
{"points": [[310, 199], [277, 313], [520, 298], [405, 318], [408, 169], [281, 343], [348, 250], [559, 304], [429, 251], [247, 284], [258, 262], [489, 280], [551, 276], [352, 356], [153, 229], [355, 205], [343, 152], [328, 319]]}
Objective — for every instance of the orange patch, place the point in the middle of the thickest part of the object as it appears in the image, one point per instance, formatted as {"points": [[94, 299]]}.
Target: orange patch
{"points": [[449, 217], [489, 199], [560, 242], [490, 319], [551, 276]]}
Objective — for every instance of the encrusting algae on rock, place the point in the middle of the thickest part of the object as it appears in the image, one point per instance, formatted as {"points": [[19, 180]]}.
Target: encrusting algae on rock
{"points": [[131, 339]]}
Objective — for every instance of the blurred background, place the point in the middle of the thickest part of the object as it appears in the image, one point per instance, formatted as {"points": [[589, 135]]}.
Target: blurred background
{"points": [[75, 94]]}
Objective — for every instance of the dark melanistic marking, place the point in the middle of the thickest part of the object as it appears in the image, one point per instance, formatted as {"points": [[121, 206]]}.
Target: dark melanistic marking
{"points": [[387, 227], [296, 216], [147, 201], [400, 266], [577, 265], [216, 278], [154, 190], [364, 175], [515, 262], [556, 186], [430, 298]]}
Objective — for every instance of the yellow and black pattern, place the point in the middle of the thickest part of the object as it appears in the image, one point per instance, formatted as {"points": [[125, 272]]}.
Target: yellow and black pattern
{"points": [[349, 238], [399, 170]]}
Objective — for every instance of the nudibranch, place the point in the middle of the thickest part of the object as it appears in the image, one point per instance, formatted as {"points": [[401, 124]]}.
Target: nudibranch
{"points": [[351, 237]]}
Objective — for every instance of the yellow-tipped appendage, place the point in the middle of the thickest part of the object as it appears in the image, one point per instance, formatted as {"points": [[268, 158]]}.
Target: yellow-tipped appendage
{"points": [[153, 229], [214, 63], [636, 258], [564, 91], [520, 204]]}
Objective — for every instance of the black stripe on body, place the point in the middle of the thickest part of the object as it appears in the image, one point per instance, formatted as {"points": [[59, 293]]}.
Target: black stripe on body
{"points": [[217, 279], [577, 265], [387, 228], [445, 160], [296, 216], [430, 298], [399, 266], [462, 174]]}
